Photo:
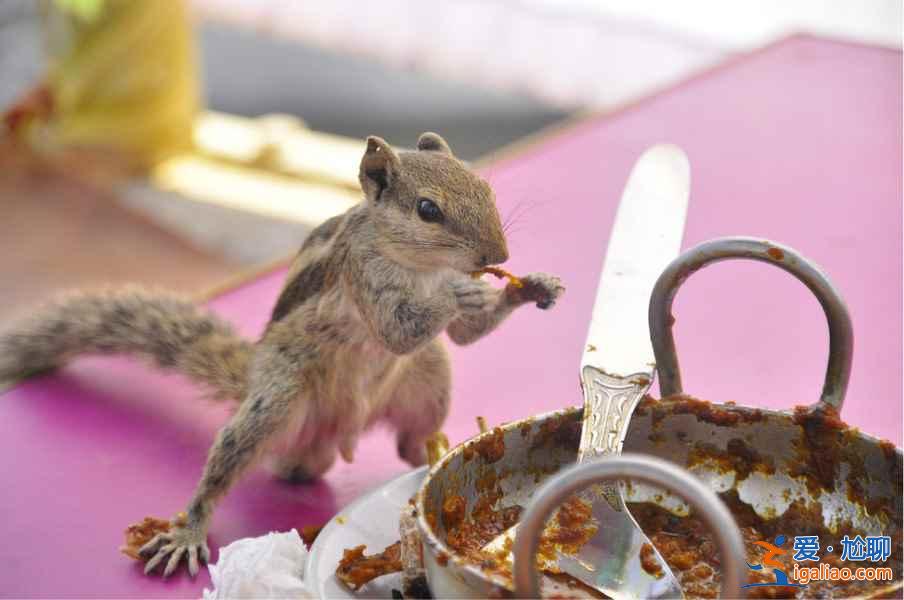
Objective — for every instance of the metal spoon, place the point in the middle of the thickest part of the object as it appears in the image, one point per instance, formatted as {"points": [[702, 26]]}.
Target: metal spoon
{"points": [[641, 467]]}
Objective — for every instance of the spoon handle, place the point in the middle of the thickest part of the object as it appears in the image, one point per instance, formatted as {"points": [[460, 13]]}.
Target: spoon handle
{"points": [[608, 404]]}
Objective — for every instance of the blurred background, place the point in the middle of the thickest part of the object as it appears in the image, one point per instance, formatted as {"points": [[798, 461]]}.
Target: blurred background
{"points": [[182, 143]]}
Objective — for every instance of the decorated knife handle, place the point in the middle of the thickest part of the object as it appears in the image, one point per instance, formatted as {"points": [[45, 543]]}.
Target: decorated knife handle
{"points": [[609, 402]]}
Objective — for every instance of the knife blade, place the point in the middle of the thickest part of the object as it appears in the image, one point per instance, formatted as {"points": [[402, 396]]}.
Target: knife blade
{"points": [[646, 236]]}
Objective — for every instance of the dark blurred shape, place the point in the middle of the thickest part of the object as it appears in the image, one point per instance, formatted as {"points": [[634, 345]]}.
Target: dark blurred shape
{"points": [[21, 58], [252, 74]]}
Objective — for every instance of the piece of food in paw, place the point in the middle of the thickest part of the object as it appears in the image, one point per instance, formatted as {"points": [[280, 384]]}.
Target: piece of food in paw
{"points": [[501, 274], [356, 569], [139, 534]]}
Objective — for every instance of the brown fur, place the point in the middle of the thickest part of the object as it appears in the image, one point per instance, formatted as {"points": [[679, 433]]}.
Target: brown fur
{"points": [[169, 330], [352, 339]]}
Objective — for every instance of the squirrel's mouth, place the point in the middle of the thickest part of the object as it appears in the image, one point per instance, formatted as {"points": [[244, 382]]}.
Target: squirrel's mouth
{"points": [[500, 273]]}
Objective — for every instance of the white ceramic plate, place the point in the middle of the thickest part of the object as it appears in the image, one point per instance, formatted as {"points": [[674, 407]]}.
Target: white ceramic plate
{"points": [[372, 520]]}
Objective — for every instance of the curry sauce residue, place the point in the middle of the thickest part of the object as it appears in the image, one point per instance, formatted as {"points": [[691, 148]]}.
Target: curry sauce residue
{"points": [[490, 447], [685, 544], [707, 412], [453, 511], [571, 527], [826, 443], [479, 530], [690, 550], [820, 452], [775, 253], [738, 456], [649, 562], [561, 431]]}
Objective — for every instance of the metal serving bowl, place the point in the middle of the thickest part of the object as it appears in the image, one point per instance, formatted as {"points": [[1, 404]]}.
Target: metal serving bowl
{"points": [[807, 455]]}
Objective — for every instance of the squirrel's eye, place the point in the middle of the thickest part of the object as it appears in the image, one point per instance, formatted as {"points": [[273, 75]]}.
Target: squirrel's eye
{"points": [[429, 211]]}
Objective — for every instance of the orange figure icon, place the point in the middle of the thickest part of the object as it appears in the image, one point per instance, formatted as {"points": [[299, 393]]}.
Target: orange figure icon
{"points": [[772, 550]]}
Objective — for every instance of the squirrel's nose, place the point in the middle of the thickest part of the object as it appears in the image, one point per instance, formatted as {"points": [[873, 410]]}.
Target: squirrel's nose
{"points": [[494, 257]]}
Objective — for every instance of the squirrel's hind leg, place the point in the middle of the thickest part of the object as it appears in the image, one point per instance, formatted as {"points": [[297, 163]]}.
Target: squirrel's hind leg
{"points": [[270, 408], [420, 403]]}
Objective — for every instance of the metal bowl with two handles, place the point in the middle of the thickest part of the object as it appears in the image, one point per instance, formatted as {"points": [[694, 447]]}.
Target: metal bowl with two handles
{"points": [[766, 460]]}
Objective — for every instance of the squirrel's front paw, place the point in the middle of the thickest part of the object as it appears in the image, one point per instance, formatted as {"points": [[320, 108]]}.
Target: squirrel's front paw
{"points": [[180, 541], [474, 295], [541, 288]]}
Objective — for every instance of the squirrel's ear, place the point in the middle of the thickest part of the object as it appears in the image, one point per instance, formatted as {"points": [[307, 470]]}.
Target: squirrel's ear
{"points": [[433, 142], [379, 167]]}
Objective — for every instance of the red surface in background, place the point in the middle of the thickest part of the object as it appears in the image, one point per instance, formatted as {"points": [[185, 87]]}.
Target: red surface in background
{"points": [[800, 143]]}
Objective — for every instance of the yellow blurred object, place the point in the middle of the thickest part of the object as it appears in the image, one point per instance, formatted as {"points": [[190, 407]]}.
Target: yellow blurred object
{"points": [[482, 424], [281, 144], [437, 447], [122, 75], [252, 189]]}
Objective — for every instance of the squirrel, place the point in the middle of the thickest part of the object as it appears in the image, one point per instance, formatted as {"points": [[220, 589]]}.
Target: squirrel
{"points": [[353, 337]]}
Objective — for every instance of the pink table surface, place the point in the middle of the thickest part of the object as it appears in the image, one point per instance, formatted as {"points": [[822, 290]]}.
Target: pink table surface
{"points": [[799, 142]]}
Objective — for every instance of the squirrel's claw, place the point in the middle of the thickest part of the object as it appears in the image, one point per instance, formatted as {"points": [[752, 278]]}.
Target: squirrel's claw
{"points": [[193, 561], [177, 543], [175, 557], [150, 548], [157, 558]]}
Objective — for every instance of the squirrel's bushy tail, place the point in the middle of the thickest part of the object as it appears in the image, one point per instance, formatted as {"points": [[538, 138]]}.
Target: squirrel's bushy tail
{"points": [[172, 331]]}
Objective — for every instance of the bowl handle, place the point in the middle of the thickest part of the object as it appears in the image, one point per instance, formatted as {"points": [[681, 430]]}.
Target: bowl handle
{"points": [[841, 336], [637, 467]]}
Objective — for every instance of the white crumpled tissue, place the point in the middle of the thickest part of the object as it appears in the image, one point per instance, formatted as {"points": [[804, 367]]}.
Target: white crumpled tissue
{"points": [[269, 566]]}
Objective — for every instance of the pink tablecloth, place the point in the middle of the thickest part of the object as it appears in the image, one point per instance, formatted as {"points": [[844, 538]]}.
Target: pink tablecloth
{"points": [[800, 142]]}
